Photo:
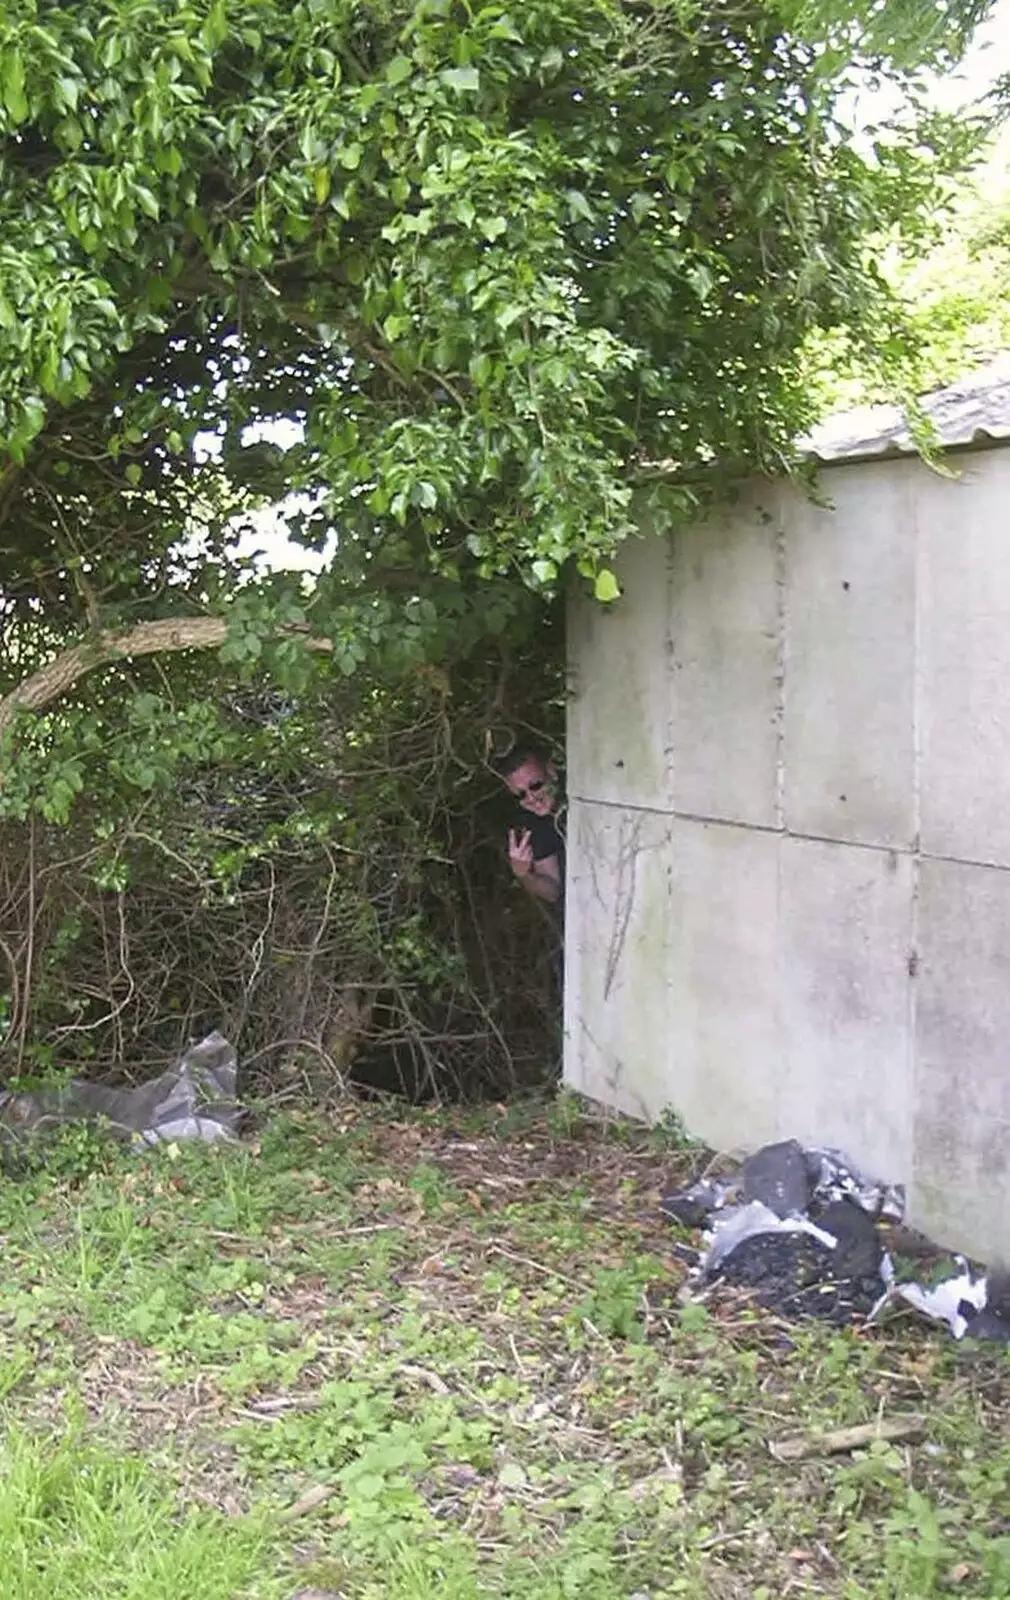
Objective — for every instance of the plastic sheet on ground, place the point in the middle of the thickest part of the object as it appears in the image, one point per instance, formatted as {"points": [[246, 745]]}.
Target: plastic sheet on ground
{"points": [[835, 1178], [746, 1222], [801, 1229], [194, 1099], [948, 1301]]}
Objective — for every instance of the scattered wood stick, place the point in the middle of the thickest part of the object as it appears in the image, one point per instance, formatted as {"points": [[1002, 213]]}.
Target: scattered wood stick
{"points": [[311, 1500], [494, 1249], [432, 1379], [801, 1446], [265, 1410]]}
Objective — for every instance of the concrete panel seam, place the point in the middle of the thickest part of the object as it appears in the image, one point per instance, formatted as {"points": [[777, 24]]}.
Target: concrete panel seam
{"points": [[781, 661], [669, 648], [918, 687], [913, 850], [918, 691]]}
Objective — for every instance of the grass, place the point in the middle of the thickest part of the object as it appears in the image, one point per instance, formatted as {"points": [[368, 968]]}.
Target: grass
{"points": [[379, 1356], [80, 1519]]}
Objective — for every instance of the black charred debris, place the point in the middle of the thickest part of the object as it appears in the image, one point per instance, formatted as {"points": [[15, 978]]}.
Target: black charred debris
{"points": [[809, 1235]]}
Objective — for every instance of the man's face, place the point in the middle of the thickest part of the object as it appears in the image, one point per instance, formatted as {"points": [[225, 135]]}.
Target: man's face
{"points": [[533, 787]]}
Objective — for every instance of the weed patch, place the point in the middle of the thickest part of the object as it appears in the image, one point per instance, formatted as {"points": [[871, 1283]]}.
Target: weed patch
{"points": [[380, 1356]]}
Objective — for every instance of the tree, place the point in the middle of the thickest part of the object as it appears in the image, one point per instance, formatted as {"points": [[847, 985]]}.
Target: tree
{"points": [[954, 293], [493, 262], [958, 293]]}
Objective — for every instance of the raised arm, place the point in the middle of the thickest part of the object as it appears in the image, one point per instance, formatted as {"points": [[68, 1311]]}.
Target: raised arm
{"points": [[543, 877]]}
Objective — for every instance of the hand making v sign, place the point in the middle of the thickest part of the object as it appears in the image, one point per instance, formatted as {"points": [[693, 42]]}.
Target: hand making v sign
{"points": [[521, 851]]}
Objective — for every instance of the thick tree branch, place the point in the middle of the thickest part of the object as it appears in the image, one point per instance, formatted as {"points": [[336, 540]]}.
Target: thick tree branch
{"points": [[145, 639]]}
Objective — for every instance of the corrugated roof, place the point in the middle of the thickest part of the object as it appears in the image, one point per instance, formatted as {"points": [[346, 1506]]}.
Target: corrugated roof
{"points": [[973, 411]]}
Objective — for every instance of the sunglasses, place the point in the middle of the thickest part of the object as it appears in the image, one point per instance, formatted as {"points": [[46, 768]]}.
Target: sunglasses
{"points": [[531, 788]]}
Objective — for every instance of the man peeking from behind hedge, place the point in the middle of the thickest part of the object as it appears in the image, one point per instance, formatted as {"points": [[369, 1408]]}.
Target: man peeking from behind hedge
{"points": [[535, 846]]}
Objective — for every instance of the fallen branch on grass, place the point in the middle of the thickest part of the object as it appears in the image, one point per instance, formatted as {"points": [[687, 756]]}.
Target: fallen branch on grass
{"points": [[800, 1446], [311, 1500]]}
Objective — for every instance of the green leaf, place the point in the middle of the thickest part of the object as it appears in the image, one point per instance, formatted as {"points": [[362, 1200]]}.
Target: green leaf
{"points": [[349, 156], [147, 201], [399, 70], [701, 280], [216, 26], [578, 205], [134, 473], [606, 588], [465, 80], [12, 84], [67, 93]]}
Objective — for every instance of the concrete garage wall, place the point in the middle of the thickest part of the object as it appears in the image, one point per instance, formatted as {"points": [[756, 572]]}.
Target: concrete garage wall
{"points": [[789, 826]]}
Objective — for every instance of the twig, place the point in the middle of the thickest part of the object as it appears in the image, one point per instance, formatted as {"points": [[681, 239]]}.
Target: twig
{"points": [[269, 1410], [538, 1266], [719, 1539], [800, 1447], [432, 1379], [311, 1500]]}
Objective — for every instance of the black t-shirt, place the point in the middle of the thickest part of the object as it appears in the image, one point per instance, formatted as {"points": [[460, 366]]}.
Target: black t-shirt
{"points": [[547, 840], [545, 837]]}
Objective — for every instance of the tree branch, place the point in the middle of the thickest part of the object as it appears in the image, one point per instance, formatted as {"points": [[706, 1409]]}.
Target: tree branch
{"points": [[145, 639]]}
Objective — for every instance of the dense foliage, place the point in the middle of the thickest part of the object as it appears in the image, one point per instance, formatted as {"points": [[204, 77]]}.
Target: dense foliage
{"points": [[492, 262]]}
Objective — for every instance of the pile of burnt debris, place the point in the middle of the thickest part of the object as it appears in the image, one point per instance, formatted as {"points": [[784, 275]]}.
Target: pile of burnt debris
{"points": [[809, 1235]]}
